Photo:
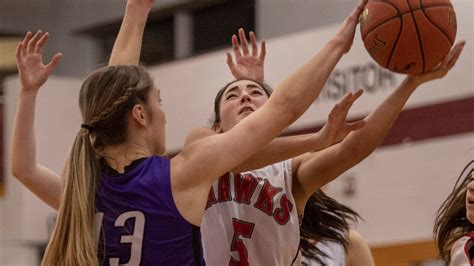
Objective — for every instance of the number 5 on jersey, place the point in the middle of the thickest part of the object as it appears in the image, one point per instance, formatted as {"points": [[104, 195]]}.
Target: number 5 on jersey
{"points": [[241, 229]]}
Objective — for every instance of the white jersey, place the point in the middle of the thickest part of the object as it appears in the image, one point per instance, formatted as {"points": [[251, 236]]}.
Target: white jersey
{"points": [[336, 255], [460, 251], [251, 219]]}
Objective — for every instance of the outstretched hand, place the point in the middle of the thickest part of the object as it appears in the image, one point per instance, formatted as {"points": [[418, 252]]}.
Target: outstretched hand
{"points": [[442, 68], [345, 36], [33, 73], [336, 129], [247, 65]]}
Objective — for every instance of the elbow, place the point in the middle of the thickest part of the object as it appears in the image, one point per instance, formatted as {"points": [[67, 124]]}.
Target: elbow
{"points": [[16, 170], [19, 171]]}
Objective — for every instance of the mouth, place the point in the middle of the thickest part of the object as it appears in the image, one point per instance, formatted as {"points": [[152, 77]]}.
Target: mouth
{"points": [[246, 109], [470, 201]]}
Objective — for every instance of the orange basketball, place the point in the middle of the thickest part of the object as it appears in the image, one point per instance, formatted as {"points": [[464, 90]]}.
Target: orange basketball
{"points": [[408, 36]]}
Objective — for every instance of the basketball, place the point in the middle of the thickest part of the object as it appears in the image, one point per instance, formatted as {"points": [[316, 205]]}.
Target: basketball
{"points": [[408, 36]]}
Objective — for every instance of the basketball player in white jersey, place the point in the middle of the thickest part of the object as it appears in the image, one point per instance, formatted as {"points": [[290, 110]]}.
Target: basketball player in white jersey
{"points": [[260, 209], [238, 200], [454, 224]]}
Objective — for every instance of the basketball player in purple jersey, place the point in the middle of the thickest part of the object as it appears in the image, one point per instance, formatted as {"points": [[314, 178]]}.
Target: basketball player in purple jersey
{"points": [[145, 207]]}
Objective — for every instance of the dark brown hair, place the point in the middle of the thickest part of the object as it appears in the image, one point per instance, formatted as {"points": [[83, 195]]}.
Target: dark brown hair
{"points": [[451, 222], [217, 101], [325, 219]]}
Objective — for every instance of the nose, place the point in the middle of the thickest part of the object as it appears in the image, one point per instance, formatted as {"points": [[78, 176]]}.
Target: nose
{"points": [[470, 186], [245, 98]]}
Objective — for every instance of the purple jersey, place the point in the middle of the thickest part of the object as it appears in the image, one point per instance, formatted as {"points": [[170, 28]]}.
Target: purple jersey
{"points": [[140, 224]]}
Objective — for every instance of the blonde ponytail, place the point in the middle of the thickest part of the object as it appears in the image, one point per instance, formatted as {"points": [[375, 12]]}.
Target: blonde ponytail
{"points": [[73, 241], [105, 99]]}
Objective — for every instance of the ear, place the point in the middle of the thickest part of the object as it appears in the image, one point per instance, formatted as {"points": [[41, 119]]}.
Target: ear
{"points": [[217, 127], [140, 115]]}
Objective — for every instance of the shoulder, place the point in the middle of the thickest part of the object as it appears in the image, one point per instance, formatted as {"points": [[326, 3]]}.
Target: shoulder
{"points": [[458, 253], [355, 237], [358, 251], [279, 169], [197, 134]]}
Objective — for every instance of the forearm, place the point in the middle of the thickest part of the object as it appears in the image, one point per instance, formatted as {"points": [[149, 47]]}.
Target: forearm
{"points": [[314, 171], [127, 46], [380, 121], [304, 86], [283, 148], [23, 141], [45, 184], [40, 180], [318, 169], [277, 150]]}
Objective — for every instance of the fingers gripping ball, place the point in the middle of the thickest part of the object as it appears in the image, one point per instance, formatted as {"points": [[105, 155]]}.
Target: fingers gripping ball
{"points": [[408, 36]]}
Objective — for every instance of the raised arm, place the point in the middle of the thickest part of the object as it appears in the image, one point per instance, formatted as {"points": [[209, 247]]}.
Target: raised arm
{"points": [[250, 65], [202, 162], [315, 170], [128, 45], [43, 182], [247, 65], [283, 148]]}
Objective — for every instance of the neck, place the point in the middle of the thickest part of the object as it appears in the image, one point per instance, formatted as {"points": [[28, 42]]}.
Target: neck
{"points": [[119, 156]]}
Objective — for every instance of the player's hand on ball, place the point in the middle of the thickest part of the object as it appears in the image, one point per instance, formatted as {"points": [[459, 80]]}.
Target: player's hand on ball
{"points": [[345, 36], [444, 67]]}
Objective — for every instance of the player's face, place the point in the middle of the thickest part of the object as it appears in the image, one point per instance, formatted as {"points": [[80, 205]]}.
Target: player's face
{"points": [[470, 200], [239, 100], [158, 121]]}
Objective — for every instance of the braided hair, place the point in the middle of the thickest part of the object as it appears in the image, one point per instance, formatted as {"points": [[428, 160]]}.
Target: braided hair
{"points": [[105, 98]]}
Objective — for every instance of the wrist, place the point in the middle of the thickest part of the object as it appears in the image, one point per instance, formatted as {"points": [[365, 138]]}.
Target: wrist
{"points": [[337, 44], [413, 81], [28, 92], [142, 9], [318, 141]]}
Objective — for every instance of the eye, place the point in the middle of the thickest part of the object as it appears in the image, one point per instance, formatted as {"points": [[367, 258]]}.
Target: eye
{"points": [[257, 92], [230, 96]]}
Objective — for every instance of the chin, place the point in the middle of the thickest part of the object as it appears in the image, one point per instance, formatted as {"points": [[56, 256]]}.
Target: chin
{"points": [[245, 114]]}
